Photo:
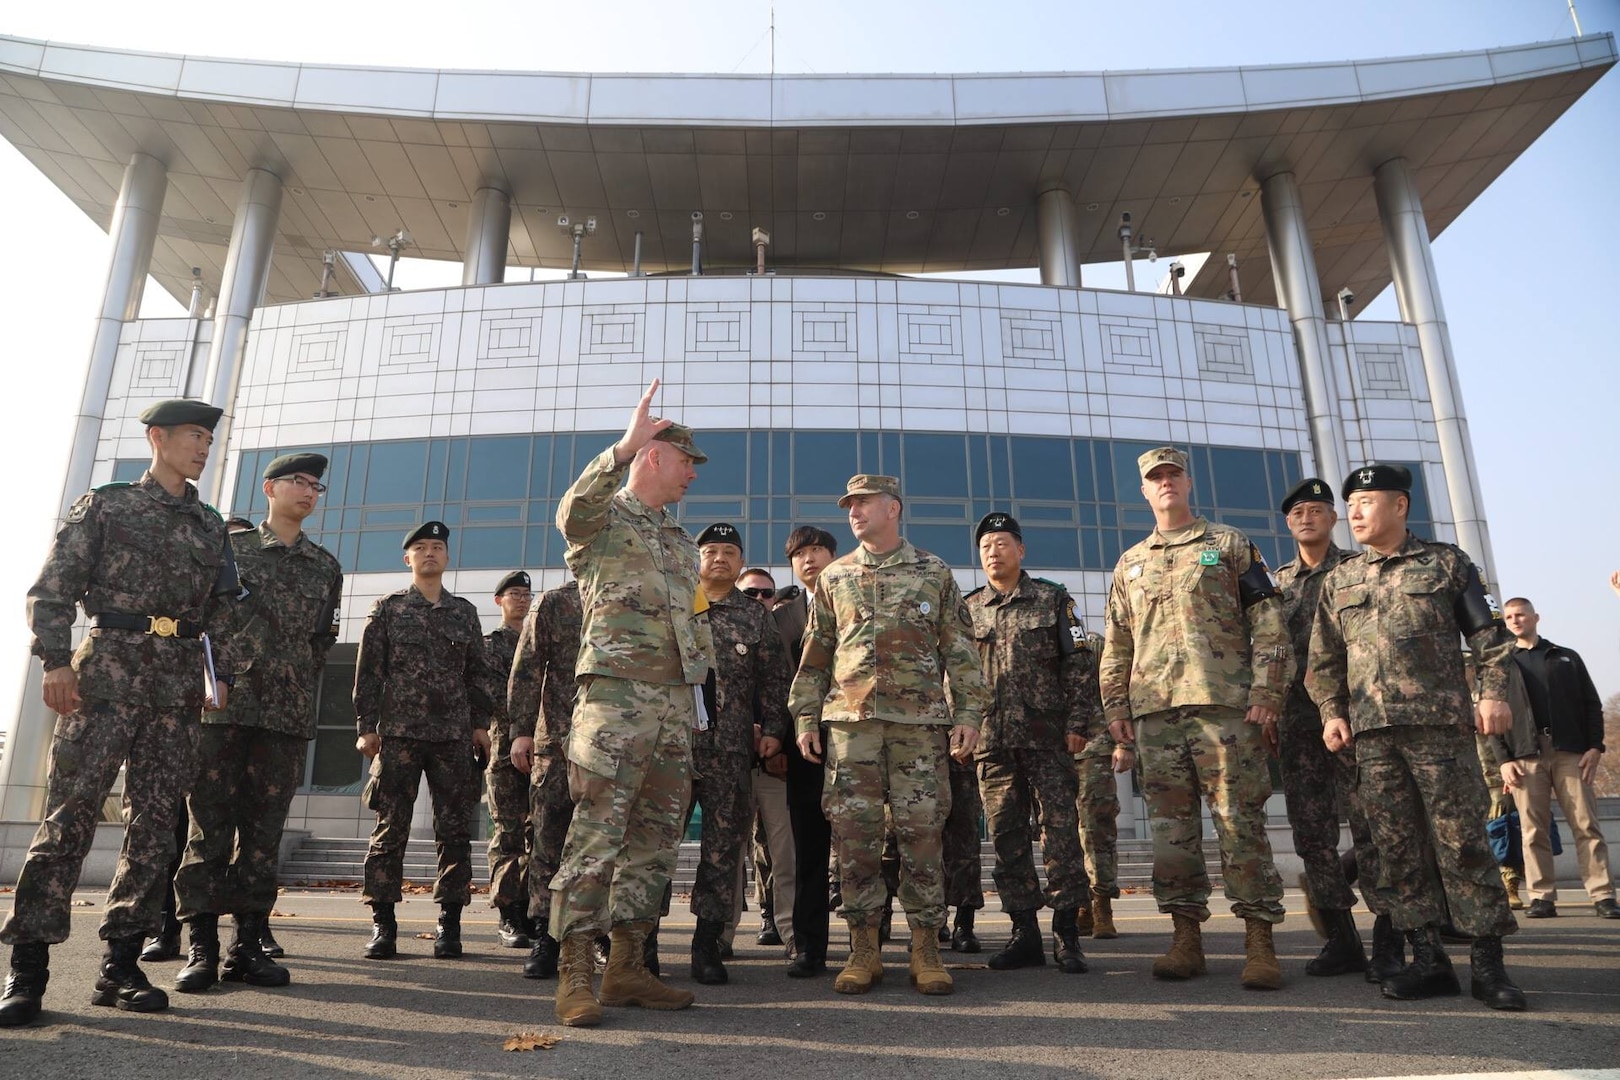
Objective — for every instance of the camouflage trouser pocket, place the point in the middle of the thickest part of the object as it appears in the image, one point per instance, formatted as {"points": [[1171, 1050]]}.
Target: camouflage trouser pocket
{"points": [[368, 795]]}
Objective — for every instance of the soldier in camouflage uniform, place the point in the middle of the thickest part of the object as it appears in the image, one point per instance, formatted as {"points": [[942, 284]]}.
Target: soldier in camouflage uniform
{"points": [[508, 785], [1316, 783], [747, 705], [1385, 672], [253, 753], [423, 698], [889, 723], [1043, 701], [540, 702], [151, 565], [644, 655], [962, 856], [1098, 808], [1194, 668]]}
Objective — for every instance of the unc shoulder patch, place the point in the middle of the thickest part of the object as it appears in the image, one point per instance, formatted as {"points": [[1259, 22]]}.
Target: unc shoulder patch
{"points": [[79, 509]]}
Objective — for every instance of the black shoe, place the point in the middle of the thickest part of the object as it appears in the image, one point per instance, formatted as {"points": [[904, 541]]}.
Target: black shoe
{"points": [[245, 961], [25, 986], [1546, 909], [768, 933], [649, 953], [1343, 952], [1388, 951], [1066, 942], [1607, 909], [542, 961], [1489, 980], [268, 943], [202, 963], [886, 923], [166, 946], [123, 984], [1428, 975], [513, 929], [384, 943], [945, 926], [805, 966], [447, 937], [1024, 948], [963, 939], [706, 966]]}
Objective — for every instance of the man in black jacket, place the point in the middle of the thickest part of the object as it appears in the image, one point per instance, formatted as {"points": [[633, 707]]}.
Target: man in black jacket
{"points": [[1569, 723]]}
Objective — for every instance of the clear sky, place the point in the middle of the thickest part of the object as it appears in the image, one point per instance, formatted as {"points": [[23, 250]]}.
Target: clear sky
{"points": [[1524, 272]]}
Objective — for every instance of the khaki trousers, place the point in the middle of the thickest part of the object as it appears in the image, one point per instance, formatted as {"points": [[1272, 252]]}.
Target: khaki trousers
{"points": [[1558, 773]]}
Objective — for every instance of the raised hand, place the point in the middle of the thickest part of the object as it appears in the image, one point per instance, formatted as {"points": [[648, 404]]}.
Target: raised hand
{"points": [[643, 427]]}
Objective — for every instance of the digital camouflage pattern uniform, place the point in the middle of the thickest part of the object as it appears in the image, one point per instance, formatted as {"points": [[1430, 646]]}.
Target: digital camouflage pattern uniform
{"points": [[961, 851], [540, 702], [1042, 686], [645, 651], [889, 664], [508, 788], [750, 686], [132, 550], [422, 681], [1098, 799], [1384, 656], [252, 753], [1195, 636]]}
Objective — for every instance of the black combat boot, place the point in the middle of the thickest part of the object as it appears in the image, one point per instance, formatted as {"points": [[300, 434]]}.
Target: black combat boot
{"points": [[123, 984], [25, 986], [542, 961], [245, 961], [202, 963], [447, 938], [1066, 941], [886, 922], [268, 943], [649, 952], [384, 943], [1024, 948], [1489, 981], [514, 927], [807, 965], [768, 933], [1388, 951], [706, 966], [1343, 952], [166, 946], [963, 939], [1428, 975], [945, 926]]}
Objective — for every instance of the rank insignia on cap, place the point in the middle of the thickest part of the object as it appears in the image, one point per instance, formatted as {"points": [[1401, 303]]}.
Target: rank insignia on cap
{"points": [[1366, 476], [428, 530], [742, 649], [721, 532]]}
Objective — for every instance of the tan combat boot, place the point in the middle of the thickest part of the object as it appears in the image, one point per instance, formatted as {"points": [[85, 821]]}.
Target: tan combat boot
{"points": [[1262, 971], [576, 1005], [1510, 882], [1102, 917], [928, 972], [627, 980], [864, 968], [1084, 924], [1186, 956]]}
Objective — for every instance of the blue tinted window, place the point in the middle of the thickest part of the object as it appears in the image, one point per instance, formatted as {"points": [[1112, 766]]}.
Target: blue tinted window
{"points": [[1042, 468], [397, 472], [823, 461], [489, 548], [726, 471], [498, 467], [1055, 548], [1240, 479], [935, 465], [953, 543], [540, 466], [379, 551]]}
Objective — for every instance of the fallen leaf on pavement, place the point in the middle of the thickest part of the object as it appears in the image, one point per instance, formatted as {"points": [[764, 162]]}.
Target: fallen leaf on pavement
{"points": [[531, 1040], [425, 936], [284, 914], [84, 903]]}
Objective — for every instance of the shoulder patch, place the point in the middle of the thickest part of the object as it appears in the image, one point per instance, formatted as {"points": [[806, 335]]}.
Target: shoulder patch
{"points": [[76, 513]]}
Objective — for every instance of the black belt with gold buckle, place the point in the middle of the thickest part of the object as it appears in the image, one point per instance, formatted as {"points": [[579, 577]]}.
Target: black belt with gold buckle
{"points": [[158, 625]]}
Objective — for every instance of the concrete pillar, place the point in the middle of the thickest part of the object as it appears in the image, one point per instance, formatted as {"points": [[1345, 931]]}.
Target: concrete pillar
{"points": [[489, 227], [1417, 290], [1057, 229], [1293, 266], [247, 266]]}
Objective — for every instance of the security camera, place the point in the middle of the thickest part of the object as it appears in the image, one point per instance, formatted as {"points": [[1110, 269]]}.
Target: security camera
{"points": [[1125, 217], [562, 221], [590, 224], [1346, 297], [697, 215], [1177, 269]]}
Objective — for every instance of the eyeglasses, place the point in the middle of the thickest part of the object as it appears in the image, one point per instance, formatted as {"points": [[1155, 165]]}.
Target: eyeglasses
{"points": [[304, 484], [759, 594]]}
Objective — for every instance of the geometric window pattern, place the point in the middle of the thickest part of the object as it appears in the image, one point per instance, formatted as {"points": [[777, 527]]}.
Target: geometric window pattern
{"points": [[1128, 344], [1223, 353], [1028, 335], [1383, 370]]}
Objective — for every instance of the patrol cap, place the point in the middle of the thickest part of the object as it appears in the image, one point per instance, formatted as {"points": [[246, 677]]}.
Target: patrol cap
{"points": [[289, 464], [1310, 489], [869, 484], [428, 530], [998, 522], [1163, 455], [177, 411], [517, 579], [810, 536], [721, 532], [680, 437], [1377, 476]]}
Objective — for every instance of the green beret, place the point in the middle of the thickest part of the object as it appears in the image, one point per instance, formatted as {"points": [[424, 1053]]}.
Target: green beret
{"points": [[721, 532], [517, 579], [177, 411], [680, 437], [1310, 489], [291, 464], [1376, 476], [428, 530], [998, 522]]}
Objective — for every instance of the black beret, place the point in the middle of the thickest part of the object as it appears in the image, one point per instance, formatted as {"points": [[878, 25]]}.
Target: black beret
{"points": [[428, 530], [1310, 489], [1379, 477], [177, 411], [721, 532], [517, 579], [288, 464], [998, 522]]}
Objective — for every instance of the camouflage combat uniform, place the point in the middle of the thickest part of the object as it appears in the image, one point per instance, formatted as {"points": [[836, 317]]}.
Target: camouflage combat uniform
{"points": [[1384, 656], [1316, 781], [1098, 800], [1042, 687], [1190, 646], [886, 633], [750, 686], [540, 702], [252, 753], [422, 681], [645, 651], [961, 856], [508, 788], [132, 550]]}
